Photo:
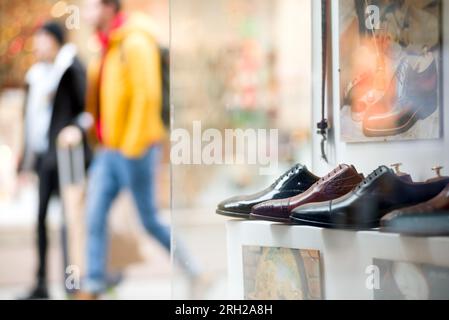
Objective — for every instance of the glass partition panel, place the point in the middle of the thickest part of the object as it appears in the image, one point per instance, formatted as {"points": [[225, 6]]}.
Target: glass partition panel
{"points": [[241, 95]]}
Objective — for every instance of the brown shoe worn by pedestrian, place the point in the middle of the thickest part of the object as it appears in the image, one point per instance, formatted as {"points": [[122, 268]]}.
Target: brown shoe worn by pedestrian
{"points": [[86, 296]]}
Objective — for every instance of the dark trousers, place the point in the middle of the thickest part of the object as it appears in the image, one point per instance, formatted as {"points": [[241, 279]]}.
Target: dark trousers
{"points": [[48, 185]]}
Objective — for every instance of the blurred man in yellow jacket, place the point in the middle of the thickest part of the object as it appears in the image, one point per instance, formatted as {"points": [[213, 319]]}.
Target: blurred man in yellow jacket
{"points": [[125, 87], [124, 97]]}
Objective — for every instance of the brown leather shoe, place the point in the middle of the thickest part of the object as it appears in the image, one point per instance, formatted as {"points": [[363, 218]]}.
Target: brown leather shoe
{"points": [[391, 221], [336, 184], [86, 296], [438, 177]]}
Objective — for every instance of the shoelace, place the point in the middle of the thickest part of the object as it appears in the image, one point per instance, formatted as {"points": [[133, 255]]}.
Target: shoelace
{"points": [[328, 176], [373, 176], [401, 74], [288, 174]]}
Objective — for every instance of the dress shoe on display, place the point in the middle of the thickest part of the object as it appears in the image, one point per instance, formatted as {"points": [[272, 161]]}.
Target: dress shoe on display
{"points": [[336, 184], [416, 99], [437, 170], [295, 181], [400, 221], [404, 176], [434, 224], [381, 192]]}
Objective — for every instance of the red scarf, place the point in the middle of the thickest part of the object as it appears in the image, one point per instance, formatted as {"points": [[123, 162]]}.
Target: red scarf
{"points": [[104, 38]]}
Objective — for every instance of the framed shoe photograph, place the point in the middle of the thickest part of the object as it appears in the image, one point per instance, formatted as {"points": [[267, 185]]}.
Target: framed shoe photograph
{"points": [[281, 273], [390, 70]]}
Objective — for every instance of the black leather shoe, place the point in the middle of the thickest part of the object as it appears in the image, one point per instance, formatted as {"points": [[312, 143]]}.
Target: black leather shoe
{"points": [[381, 192], [295, 181]]}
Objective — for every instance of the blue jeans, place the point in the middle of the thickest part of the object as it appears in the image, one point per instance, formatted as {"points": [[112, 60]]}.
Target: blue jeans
{"points": [[109, 174]]}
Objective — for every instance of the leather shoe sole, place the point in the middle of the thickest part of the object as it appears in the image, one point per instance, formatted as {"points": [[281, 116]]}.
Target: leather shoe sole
{"points": [[377, 131], [232, 214], [358, 227], [267, 218]]}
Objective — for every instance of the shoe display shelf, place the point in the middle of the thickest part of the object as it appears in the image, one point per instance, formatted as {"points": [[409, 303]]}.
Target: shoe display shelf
{"points": [[334, 264]]}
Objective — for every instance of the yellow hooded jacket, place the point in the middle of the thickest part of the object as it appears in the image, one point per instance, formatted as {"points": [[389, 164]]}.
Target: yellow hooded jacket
{"points": [[130, 92]]}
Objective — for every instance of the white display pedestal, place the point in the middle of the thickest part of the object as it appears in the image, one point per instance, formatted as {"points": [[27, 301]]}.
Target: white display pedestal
{"points": [[346, 256]]}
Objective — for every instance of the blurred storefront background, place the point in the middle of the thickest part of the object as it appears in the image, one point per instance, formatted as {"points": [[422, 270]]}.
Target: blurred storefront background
{"points": [[235, 65], [18, 197]]}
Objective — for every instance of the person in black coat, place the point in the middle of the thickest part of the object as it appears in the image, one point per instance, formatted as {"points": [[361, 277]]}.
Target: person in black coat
{"points": [[55, 98]]}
